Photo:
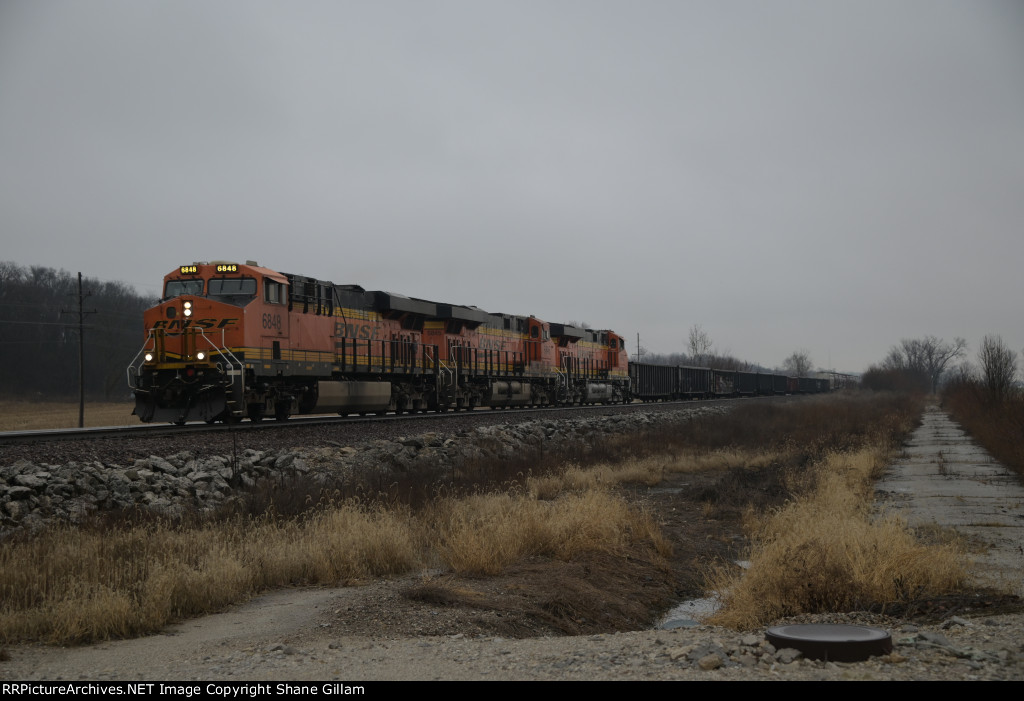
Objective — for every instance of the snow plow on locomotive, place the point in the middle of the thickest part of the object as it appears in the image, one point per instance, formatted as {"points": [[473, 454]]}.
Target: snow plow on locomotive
{"points": [[231, 340]]}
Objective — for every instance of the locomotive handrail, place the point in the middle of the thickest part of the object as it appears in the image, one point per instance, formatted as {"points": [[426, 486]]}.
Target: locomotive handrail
{"points": [[131, 371], [432, 359], [443, 369], [232, 361], [563, 376]]}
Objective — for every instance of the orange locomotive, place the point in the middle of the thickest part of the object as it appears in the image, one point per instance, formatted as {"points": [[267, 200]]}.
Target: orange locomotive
{"points": [[231, 340]]}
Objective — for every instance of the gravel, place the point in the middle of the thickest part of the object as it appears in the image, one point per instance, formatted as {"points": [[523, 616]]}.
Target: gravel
{"points": [[291, 636]]}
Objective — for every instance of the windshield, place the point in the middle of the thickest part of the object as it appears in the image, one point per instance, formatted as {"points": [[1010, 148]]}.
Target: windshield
{"points": [[176, 288], [232, 286]]}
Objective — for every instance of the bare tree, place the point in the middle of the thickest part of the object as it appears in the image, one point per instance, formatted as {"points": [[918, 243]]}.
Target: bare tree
{"points": [[700, 345], [962, 374], [799, 364], [998, 366], [727, 361], [926, 357]]}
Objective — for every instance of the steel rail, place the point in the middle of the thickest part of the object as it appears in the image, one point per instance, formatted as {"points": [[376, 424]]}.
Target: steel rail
{"points": [[148, 430]]}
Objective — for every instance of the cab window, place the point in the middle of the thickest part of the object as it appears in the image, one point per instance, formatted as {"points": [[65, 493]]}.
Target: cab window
{"points": [[176, 288], [273, 292], [224, 286]]}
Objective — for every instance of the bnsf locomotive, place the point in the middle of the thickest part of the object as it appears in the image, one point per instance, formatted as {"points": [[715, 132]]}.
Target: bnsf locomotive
{"points": [[231, 340]]}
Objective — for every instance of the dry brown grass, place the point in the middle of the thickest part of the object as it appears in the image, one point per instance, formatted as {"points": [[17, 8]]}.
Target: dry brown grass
{"points": [[824, 552], [74, 585], [22, 415], [997, 425], [651, 470], [486, 533]]}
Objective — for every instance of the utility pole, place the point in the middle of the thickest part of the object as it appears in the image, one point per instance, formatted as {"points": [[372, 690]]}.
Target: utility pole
{"points": [[81, 350]]}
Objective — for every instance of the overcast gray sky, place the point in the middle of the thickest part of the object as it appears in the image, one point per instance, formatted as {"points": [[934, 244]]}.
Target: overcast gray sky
{"points": [[829, 176]]}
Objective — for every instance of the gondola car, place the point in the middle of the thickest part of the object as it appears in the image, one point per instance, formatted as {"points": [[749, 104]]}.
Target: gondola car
{"points": [[651, 382]]}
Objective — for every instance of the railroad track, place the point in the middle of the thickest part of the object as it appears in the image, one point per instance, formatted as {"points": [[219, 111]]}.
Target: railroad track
{"points": [[151, 430]]}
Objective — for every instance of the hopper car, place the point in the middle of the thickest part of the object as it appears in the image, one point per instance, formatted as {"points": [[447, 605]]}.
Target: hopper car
{"points": [[654, 383]]}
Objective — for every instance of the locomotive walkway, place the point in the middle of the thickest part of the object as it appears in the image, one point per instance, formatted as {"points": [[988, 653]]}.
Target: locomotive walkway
{"points": [[944, 479]]}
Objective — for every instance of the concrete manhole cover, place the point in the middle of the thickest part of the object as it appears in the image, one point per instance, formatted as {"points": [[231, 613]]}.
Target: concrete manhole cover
{"points": [[838, 643]]}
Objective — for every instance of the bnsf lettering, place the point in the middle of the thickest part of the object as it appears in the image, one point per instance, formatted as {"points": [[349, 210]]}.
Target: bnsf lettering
{"points": [[193, 323], [360, 331], [491, 344]]}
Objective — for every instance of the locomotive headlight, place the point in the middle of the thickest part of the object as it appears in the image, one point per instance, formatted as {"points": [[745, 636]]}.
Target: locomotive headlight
{"points": [[188, 308], [201, 355], [149, 357]]}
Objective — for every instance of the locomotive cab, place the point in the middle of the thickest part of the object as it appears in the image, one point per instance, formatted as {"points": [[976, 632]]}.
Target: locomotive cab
{"points": [[192, 363]]}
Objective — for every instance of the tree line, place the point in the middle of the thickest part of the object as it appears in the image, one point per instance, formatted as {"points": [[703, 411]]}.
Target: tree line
{"points": [[925, 364], [39, 333], [700, 352]]}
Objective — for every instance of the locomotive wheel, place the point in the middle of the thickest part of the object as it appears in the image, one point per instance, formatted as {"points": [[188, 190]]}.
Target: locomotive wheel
{"points": [[255, 412]]}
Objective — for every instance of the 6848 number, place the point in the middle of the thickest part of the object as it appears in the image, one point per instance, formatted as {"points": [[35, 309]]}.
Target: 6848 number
{"points": [[272, 321]]}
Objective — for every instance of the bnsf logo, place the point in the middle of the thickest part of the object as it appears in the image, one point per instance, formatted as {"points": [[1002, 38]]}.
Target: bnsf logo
{"points": [[192, 323], [361, 331]]}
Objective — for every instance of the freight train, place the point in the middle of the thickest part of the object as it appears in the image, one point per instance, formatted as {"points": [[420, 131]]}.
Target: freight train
{"points": [[231, 340], [667, 383]]}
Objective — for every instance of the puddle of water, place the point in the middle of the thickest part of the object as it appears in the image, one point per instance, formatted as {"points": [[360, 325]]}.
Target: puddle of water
{"points": [[686, 614]]}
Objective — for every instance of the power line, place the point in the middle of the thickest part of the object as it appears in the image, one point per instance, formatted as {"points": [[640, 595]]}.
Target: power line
{"points": [[47, 323]]}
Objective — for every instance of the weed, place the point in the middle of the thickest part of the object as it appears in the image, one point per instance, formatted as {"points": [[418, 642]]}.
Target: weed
{"points": [[824, 552], [997, 426]]}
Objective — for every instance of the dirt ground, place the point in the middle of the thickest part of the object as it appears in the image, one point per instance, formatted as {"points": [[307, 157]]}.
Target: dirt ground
{"points": [[587, 619], [600, 593]]}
